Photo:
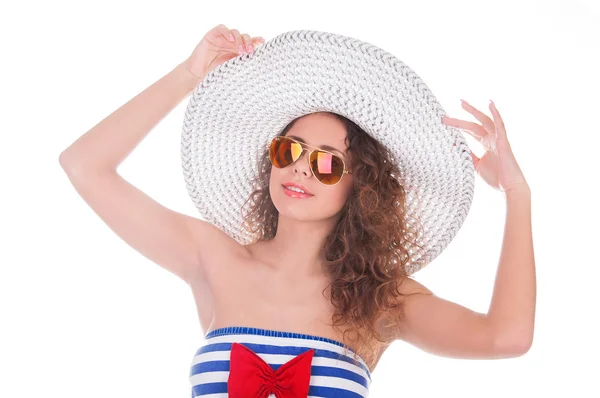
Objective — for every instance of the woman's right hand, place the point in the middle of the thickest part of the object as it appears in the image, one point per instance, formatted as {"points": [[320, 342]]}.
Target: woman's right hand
{"points": [[219, 45]]}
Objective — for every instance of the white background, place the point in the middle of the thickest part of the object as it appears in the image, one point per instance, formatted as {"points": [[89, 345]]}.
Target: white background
{"points": [[83, 314]]}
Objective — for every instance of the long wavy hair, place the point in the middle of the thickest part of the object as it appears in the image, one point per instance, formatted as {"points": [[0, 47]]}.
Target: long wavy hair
{"points": [[367, 249]]}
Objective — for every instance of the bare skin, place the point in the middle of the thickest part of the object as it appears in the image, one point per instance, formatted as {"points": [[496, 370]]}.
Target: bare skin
{"points": [[243, 288], [278, 284], [281, 284]]}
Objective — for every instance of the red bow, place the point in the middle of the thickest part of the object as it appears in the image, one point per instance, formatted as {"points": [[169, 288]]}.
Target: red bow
{"points": [[251, 377]]}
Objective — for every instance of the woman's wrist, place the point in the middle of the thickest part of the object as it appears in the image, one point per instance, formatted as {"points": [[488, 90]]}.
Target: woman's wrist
{"points": [[188, 78], [521, 191]]}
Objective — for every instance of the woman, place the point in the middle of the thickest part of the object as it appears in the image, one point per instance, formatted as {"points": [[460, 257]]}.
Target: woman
{"points": [[322, 258]]}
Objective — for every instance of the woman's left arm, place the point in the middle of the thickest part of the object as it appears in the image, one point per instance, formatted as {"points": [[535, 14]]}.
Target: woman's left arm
{"points": [[512, 309], [444, 328]]}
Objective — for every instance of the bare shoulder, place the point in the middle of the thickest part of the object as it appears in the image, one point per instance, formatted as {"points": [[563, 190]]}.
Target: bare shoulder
{"points": [[410, 286], [409, 290]]}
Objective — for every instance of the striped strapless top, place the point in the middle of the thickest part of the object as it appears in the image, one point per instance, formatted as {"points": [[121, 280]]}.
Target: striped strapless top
{"points": [[243, 361]]}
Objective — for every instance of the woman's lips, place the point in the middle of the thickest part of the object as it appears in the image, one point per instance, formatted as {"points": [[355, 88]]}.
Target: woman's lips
{"points": [[294, 194]]}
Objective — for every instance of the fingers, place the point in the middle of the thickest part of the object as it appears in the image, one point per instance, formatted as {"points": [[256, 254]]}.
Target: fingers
{"points": [[243, 43], [222, 31], [239, 41], [258, 41], [487, 123], [474, 129], [250, 44], [498, 122], [246, 44]]}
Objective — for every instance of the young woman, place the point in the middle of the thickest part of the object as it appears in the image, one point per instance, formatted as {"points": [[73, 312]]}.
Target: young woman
{"points": [[282, 311]]}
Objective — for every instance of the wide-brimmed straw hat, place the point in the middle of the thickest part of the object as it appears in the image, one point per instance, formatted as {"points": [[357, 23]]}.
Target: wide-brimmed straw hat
{"points": [[242, 104]]}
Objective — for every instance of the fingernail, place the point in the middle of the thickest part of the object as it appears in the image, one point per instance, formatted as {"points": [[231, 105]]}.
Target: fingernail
{"points": [[231, 37]]}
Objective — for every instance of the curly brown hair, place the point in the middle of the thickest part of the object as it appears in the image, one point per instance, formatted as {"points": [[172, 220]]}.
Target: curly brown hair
{"points": [[367, 249]]}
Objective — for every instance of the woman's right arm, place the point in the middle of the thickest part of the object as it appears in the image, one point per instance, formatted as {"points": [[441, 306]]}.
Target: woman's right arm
{"points": [[160, 234], [177, 242]]}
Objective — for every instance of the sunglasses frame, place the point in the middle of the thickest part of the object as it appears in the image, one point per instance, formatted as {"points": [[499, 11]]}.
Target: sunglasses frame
{"points": [[310, 151]]}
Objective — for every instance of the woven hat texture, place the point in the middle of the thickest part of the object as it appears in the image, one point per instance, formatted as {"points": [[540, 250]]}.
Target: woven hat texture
{"points": [[239, 107]]}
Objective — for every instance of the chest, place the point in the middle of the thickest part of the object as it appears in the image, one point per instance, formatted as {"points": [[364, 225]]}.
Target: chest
{"points": [[245, 293]]}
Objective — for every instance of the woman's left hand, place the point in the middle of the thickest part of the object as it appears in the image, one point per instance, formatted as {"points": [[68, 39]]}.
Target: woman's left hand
{"points": [[498, 166]]}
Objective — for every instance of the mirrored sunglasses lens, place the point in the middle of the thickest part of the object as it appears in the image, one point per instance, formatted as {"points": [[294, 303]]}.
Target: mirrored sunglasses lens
{"points": [[284, 152], [327, 168]]}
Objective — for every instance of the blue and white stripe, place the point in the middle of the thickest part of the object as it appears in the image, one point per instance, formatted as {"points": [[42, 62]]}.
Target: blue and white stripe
{"points": [[334, 373]]}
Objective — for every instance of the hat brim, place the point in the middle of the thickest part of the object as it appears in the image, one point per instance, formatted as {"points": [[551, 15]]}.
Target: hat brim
{"points": [[243, 103]]}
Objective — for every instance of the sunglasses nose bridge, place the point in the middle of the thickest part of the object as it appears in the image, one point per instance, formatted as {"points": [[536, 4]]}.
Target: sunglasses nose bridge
{"points": [[304, 149], [308, 152]]}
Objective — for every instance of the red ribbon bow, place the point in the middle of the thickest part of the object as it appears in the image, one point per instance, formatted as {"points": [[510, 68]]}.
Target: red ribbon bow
{"points": [[251, 377]]}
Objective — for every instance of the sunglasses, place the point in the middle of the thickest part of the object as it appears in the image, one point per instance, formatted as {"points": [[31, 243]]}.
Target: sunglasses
{"points": [[327, 167]]}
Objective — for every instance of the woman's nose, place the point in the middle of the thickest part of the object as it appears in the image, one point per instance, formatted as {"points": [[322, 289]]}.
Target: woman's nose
{"points": [[300, 162]]}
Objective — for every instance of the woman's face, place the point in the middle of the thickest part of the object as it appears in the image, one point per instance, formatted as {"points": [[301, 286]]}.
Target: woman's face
{"points": [[318, 130]]}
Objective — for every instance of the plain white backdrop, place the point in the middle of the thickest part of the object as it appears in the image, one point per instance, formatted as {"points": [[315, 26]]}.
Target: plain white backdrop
{"points": [[83, 314]]}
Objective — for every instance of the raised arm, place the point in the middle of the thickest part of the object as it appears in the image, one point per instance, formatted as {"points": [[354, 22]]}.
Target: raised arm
{"points": [[162, 235], [177, 242], [444, 328], [448, 329]]}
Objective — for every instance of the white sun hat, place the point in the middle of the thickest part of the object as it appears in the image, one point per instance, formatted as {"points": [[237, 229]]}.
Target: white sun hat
{"points": [[242, 104]]}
